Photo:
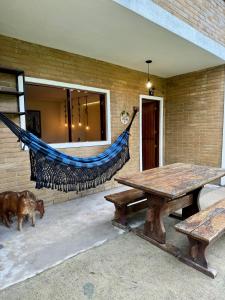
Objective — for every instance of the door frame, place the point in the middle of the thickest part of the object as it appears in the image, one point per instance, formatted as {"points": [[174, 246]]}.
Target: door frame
{"points": [[161, 126]]}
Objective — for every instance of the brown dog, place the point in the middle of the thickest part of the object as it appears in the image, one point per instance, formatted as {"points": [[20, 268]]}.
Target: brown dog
{"points": [[40, 207], [8, 205], [2, 215], [22, 204], [25, 207]]}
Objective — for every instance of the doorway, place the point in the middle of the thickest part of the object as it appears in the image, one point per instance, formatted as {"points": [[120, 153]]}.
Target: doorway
{"points": [[151, 132]]}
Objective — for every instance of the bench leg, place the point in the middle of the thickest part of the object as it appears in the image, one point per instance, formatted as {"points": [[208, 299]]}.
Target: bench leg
{"points": [[197, 258], [197, 252], [120, 215]]}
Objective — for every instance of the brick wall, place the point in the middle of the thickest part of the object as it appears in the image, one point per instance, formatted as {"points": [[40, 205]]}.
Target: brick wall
{"points": [[124, 84], [207, 16], [193, 110], [194, 117]]}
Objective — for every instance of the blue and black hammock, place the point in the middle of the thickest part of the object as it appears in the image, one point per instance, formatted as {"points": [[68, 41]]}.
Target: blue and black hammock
{"points": [[53, 169]]}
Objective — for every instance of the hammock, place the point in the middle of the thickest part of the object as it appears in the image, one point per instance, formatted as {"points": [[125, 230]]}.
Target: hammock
{"points": [[56, 170]]}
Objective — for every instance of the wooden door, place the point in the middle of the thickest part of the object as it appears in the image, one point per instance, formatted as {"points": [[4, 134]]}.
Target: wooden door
{"points": [[150, 134]]}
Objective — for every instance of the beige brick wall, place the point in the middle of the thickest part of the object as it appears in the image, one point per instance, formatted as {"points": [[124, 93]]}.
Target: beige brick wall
{"points": [[193, 110], [124, 84], [207, 16], [194, 117]]}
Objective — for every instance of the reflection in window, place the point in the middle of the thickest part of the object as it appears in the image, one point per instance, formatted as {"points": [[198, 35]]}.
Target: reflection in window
{"points": [[59, 115]]}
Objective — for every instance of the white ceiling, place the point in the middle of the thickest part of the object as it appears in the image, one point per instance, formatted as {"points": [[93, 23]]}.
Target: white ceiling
{"points": [[104, 30]]}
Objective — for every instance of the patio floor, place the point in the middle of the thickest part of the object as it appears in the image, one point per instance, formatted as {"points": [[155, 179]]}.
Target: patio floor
{"points": [[125, 267], [66, 230]]}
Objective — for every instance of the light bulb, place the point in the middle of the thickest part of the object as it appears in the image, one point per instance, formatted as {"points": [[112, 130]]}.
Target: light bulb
{"points": [[148, 84], [79, 124], [66, 125], [73, 126], [87, 127]]}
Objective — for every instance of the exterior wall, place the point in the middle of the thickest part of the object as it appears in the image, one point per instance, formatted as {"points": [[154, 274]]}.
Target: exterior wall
{"points": [[194, 117], [207, 16], [194, 102], [193, 111], [124, 84]]}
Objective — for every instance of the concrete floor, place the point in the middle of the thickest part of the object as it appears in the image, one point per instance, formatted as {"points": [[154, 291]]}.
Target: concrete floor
{"points": [[127, 267], [66, 230]]}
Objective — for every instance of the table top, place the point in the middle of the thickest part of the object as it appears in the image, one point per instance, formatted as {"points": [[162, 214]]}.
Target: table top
{"points": [[172, 181]]}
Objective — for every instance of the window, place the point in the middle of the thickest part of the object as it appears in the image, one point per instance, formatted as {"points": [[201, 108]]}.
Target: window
{"points": [[67, 115]]}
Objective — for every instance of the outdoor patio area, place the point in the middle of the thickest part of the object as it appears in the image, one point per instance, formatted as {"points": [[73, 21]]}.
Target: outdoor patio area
{"points": [[114, 264], [112, 150]]}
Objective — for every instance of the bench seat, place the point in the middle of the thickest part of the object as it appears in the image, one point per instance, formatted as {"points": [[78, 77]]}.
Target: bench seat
{"points": [[126, 203], [203, 229], [126, 197]]}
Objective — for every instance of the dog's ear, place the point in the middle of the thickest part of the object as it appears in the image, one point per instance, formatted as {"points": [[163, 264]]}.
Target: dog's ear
{"points": [[24, 193]]}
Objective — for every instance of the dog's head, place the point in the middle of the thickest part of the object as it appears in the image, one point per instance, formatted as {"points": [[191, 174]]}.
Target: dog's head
{"points": [[40, 207]]}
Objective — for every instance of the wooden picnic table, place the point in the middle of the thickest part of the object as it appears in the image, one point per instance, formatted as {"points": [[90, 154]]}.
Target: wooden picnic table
{"points": [[168, 189]]}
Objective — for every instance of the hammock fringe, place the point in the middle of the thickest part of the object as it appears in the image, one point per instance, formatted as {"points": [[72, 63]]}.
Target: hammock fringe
{"points": [[68, 179]]}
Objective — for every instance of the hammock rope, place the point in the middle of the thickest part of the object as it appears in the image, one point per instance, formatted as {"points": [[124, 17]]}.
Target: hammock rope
{"points": [[56, 170]]}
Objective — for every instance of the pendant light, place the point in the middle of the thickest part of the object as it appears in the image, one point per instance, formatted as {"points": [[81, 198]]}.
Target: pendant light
{"points": [[79, 121], [73, 126], [149, 83], [87, 126], [65, 114]]}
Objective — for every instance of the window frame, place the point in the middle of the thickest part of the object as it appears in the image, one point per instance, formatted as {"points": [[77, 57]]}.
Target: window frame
{"points": [[69, 86]]}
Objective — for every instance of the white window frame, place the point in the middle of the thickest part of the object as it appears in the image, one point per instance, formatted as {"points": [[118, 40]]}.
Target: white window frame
{"points": [[69, 86]]}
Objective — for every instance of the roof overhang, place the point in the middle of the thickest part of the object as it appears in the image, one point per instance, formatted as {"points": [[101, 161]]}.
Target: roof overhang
{"points": [[123, 32]]}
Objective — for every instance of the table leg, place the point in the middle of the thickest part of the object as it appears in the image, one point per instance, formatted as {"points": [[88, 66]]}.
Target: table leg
{"points": [[194, 207], [154, 230], [154, 227]]}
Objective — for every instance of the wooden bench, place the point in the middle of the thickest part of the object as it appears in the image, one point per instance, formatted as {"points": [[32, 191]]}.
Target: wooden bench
{"points": [[203, 229], [126, 203]]}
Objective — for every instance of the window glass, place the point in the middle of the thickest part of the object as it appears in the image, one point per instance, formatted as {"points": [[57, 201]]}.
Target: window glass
{"points": [[88, 114], [60, 115]]}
